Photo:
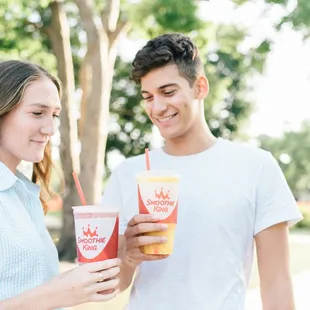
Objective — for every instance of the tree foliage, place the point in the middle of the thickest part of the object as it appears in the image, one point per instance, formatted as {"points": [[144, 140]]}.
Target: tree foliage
{"points": [[292, 152], [297, 13]]}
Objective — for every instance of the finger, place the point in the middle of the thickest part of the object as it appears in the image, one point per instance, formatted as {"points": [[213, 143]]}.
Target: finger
{"points": [[106, 274], [98, 266], [98, 297], [149, 257], [136, 242], [104, 286], [144, 228], [111, 290], [143, 218]]}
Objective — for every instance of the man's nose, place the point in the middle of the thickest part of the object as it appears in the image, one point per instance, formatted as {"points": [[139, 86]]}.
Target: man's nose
{"points": [[159, 105]]}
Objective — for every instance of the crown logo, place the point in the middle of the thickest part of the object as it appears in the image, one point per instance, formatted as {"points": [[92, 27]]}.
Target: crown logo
{"points": [[89, 233], [161, 195]]}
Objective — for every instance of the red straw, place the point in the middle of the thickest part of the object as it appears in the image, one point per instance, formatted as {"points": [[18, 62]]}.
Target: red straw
{"points": [[147, 159], [79, 188]]}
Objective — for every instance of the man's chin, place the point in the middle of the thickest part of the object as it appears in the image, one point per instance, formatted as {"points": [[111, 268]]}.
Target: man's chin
{"points": [[169, 135]]}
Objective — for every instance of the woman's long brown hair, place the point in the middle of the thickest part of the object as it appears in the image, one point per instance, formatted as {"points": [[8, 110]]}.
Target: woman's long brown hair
{"points": [[41, 174]]}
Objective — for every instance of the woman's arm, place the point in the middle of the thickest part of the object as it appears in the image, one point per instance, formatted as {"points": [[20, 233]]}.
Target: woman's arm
{"points": [[39, 298], [74, 287]]}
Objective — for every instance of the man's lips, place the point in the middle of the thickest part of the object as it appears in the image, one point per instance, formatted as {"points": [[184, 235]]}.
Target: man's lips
{"points": [[165, 118]]}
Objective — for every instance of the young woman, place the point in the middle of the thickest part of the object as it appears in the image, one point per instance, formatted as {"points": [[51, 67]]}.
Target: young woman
{"points": [[29, 279]]}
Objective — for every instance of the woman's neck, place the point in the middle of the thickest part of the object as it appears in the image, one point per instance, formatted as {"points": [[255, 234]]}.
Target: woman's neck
{"points": [[9, 161]]}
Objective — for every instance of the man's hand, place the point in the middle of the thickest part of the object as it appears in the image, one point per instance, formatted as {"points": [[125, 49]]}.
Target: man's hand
{"points": [[137, 226]]}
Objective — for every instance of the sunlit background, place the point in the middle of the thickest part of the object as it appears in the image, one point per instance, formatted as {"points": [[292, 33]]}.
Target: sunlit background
{"points": [[259, 73]]}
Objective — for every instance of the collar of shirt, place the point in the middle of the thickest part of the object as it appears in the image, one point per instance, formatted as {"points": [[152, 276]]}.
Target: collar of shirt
{"points": [[8, 179]]}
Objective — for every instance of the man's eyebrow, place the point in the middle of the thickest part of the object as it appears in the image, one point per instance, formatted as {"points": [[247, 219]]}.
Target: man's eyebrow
{"points": [[167, 85], [144, 92], [161, 87], [44, 106]]}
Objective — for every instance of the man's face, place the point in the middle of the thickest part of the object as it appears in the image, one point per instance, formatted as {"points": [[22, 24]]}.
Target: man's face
{"points": [[170, 102]]}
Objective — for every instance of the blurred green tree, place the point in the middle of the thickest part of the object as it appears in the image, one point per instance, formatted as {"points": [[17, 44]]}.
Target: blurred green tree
{"points": [[296, 13], [292, 153], [292, 149]]}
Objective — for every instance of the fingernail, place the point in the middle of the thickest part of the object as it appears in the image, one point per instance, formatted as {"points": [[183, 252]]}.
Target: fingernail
{"points": [[164, 226], [163, 239]]}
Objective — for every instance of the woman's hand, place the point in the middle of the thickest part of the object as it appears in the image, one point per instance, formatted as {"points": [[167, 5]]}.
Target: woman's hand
{"points": [[91, 282]]}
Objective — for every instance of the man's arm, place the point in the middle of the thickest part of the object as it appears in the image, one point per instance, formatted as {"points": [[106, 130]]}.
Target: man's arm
{"points": [[130, 244], [273, 264], [131, 237]]}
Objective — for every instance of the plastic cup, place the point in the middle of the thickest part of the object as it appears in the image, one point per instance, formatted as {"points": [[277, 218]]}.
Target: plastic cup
{"points": [[158, 193], [96, 231]]}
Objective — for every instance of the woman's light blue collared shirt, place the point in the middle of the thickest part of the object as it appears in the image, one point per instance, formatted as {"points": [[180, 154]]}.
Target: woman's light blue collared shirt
{"points": [[28, 256]]}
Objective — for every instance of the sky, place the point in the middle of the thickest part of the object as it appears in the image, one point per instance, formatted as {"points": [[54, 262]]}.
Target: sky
{"points": [[281, 95]]}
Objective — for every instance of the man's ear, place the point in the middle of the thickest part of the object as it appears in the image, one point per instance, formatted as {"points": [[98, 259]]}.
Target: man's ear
{"points": [[202, 87]]}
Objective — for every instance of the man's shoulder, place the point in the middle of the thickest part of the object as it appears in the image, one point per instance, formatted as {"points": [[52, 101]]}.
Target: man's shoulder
{"points": [[132, 162], [245, 151]]}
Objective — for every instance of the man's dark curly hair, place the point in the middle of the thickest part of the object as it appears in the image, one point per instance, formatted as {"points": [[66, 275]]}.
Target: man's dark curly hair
{"points": [[172, 48]]}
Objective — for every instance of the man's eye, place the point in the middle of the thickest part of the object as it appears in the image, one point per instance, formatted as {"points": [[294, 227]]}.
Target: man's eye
{"points": [[147, 98], [171, 92]]}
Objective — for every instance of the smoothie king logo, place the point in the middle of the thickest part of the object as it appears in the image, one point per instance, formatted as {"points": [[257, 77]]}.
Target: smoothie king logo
{"points": [[161, 202], [90, 239]]}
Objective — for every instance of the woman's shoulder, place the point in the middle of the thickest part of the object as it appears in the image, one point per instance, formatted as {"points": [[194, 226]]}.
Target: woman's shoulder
{"points": [[27, 182]]}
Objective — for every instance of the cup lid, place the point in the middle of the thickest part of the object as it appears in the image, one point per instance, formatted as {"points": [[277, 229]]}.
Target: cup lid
{"points": [[94, 209]]}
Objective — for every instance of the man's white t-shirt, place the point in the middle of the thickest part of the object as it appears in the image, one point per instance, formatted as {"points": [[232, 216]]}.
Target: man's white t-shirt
{"points": [[228, 194]]}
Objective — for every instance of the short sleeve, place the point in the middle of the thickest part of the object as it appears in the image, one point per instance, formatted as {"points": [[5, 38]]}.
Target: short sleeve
{"points": [[275, 202], [112, 197]]}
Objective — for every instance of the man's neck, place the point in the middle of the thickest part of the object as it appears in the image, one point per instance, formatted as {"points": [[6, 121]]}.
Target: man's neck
{"points": [[191, 143]]}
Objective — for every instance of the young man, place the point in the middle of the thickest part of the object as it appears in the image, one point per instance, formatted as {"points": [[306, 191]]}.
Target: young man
{"points": [[230, 194]]}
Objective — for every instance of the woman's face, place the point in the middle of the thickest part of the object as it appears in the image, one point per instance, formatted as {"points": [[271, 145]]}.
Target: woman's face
{"points": [[25, 131]]}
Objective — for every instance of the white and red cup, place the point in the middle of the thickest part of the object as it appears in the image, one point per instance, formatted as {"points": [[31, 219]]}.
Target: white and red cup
{"points": [[158, 194], [96, 231]]}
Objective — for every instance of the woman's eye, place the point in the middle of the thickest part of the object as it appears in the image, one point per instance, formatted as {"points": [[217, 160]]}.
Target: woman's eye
{"points": [[55, 116], [37, 113]]}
